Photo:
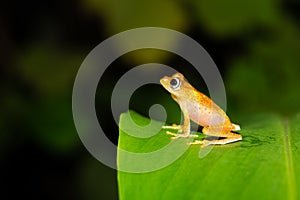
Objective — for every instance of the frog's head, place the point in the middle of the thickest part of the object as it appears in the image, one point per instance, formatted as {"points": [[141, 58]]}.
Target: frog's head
{"points": [[174, 84]]}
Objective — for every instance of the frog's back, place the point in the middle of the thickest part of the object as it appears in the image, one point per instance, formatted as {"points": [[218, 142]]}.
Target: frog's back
{"points": [[205, 112]]}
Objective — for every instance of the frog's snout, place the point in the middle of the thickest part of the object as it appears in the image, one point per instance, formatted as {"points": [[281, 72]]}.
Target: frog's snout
{"points": [[164, 81]]}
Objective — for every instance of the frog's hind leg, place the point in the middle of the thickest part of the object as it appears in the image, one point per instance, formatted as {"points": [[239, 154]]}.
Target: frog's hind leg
{"points": [[220, 131], [235, 127]]}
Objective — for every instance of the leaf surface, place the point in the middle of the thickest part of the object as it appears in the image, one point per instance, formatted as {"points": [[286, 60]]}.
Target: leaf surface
{"points": [[261, 166]]}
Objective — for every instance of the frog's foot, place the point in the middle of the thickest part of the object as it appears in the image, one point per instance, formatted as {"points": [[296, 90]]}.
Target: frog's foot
{"points": [[174, 127], [175, 135], [203, 143]]}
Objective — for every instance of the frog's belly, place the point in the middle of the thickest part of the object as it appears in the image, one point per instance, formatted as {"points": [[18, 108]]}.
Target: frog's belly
{"points": [[205, 116]]}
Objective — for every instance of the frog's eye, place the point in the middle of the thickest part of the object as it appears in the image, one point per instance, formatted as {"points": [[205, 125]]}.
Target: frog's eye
{"points": [[175, 83]]}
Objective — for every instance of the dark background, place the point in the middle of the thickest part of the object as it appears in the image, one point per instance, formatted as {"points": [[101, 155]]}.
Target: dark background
{"points": [[42, 44]]}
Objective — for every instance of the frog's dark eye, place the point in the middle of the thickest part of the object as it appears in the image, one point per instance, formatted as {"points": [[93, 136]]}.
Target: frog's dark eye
{"points": [[175, 83]]}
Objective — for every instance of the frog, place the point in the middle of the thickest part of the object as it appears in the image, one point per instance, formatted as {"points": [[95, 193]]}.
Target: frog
{"points": [[199, 108]]}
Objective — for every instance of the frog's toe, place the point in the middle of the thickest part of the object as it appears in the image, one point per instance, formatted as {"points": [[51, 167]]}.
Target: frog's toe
{"points": [[195, 142], [171, 133], [173, 127], [203, 143], [175, 136]]}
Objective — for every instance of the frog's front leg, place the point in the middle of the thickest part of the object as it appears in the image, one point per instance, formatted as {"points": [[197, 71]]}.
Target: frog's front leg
{"points": [[185, 128]]}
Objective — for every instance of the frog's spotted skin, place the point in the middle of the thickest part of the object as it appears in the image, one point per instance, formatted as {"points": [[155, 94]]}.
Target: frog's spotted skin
{"points": [[200, 109]]}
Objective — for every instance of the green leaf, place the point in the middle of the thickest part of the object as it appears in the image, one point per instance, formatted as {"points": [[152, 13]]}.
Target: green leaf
{"points": [[261, 166]]}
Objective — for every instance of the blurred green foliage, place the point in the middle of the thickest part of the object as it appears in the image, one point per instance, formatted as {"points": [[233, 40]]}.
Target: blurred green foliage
{"points": [[123, 15], [50, 72], [233, 17], [266, 79]]}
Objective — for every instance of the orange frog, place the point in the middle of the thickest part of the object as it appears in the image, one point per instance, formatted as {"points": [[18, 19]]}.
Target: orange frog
{"points": [[200, 109]]}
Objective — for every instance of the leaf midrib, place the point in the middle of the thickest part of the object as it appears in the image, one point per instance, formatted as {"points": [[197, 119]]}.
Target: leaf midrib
{"points": [[289, 161]]}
